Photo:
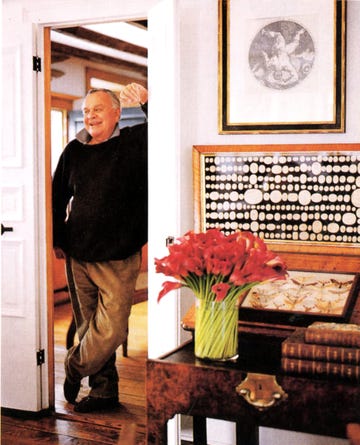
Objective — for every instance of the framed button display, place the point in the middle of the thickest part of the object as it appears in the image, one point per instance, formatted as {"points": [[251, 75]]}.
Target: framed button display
{"points": [[299, 194]]}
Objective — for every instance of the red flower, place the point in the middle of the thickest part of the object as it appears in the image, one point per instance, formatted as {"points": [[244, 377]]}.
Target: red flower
{"points": [[212, 263], [167, 287], [259, 266], [220, 290]]}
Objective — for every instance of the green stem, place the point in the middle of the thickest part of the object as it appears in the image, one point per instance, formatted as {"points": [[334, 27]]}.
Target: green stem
{"points": [[216, 330]]}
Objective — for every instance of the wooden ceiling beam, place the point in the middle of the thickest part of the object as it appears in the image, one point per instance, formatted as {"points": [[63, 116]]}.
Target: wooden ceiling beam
{"points": [[58, 49], [104, 40]]}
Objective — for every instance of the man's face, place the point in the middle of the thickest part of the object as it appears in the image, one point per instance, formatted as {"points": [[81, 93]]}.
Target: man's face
{"points": [[100, 117]]}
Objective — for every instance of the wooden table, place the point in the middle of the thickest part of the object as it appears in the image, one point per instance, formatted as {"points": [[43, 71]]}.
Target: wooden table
{"points": [[178, 383]]}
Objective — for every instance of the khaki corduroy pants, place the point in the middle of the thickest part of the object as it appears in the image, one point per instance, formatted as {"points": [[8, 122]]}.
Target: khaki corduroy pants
{"points": [[101, 296]]}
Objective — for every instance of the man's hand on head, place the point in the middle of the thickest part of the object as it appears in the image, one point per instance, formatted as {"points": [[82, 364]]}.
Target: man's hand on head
{"points": [[133, 94]]}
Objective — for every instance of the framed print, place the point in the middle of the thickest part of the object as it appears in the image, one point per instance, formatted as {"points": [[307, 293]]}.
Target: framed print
{"points": [[301, 299], [282, 66], [295, 197]]}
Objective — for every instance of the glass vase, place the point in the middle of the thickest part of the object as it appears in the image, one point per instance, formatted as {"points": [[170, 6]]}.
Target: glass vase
{"points": [[216, 330]]}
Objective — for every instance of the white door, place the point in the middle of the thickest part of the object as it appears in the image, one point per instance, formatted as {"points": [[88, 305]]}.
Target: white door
{"points": [[23, 381], [164, 184]]}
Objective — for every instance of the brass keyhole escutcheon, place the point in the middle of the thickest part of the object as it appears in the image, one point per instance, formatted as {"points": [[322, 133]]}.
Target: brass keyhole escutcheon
{"points": [[261, 390]]}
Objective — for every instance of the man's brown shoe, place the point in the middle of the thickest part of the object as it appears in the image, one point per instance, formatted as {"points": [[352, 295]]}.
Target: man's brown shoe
{"points": [[89, 404]]}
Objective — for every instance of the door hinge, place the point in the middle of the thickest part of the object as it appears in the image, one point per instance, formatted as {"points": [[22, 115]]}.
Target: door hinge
{"points": [[40, 357], [36, 64]]}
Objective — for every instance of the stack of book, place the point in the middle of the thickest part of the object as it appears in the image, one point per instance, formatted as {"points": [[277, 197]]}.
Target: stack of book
{"points": [[329, 349]]}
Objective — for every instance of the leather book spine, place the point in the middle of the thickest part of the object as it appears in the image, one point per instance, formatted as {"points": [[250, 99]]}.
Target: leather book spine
{"points": [[314, 367], [320, 352], [333, 337]]}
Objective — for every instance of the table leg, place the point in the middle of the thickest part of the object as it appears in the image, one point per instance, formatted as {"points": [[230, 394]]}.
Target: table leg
{"points": [[199, 430], [156, 433], [247, 433]]}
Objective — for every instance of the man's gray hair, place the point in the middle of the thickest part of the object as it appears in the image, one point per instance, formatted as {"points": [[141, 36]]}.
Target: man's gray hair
{"points": [[114, 98]]}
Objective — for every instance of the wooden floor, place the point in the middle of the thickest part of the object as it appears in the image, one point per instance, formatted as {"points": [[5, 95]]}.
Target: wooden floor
{"points": [[125, 425]]}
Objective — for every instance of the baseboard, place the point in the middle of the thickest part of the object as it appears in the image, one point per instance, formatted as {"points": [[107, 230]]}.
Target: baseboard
{"points": [[30, 415]]}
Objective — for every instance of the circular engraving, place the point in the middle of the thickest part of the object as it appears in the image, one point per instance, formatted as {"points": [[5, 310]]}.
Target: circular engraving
{"points": [[281, 55], [333, 227], [234, 196], [316, 168], [317, 226], [275, 196], [355, 198], [304, 197], [349, 219], [253, 196]]}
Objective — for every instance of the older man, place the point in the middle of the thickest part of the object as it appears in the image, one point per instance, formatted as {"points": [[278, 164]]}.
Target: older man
{"points": [[100, 225]]}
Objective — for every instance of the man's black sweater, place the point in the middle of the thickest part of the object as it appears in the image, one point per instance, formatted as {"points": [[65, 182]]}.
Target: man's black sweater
{"points": [[106, 187]]}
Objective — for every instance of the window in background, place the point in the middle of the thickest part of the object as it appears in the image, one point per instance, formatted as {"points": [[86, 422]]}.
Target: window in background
{"points": [[61, 105], [58, 135]]}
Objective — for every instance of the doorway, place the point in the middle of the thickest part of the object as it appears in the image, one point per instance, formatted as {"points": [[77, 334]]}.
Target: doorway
{"points": [[101, 71], [164, 149]]}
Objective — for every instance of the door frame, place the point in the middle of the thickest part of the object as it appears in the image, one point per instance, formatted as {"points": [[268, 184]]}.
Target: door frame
{"points": [[170, 311]]}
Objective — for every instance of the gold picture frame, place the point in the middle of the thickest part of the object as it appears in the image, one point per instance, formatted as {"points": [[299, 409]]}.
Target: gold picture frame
{"points": [[299, 198], [277, 65]]}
